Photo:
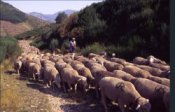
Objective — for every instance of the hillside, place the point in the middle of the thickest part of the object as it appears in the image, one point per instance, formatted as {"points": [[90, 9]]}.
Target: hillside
{"points": [[51, 17], [13, 21], [138, 29]]}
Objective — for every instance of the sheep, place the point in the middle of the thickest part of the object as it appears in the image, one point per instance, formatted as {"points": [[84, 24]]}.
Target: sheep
{"points": [[100, 60], [72, 78], [140, 61], [154, 92], [160, 66], [110, 66], [93, 65], [92, 55], [34, 70], [152, 59], [122, 75], [82, 59], [77, 65], [60, 66], [136, 72], [98, 75], [163, 81], [83, 71], [118, 60], [67, 60], [49, 75], [153, 71], [17, 65], [124, 93]]}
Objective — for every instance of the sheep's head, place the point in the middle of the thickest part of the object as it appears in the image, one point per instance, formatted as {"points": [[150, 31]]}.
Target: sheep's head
{"points": [[83, 82], [143, 105]]}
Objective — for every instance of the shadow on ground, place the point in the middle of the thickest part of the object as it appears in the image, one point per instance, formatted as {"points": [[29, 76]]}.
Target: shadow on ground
{"points": [[84, 102]]}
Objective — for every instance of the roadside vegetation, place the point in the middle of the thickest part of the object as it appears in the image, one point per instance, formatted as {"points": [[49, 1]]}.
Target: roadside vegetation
{"points": [[15, 93], [130, 28], [9, 48]]}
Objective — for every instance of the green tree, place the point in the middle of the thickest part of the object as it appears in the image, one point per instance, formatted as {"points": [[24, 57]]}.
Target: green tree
{"points": [[53, 44], [61, 16]]}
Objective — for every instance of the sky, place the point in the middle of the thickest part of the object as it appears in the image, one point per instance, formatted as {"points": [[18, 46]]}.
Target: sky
{"points": [[49, 6]]}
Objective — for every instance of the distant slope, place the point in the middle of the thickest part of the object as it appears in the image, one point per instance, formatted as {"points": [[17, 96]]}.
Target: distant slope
{"points": [[50, 17], [13, 29], [13, 21], [10, 13]]}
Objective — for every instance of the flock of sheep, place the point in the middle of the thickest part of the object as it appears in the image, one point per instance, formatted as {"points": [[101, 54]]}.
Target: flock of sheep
{"points": [[141, 86]]}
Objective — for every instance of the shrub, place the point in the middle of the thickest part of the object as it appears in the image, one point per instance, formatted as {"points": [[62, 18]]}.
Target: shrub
{"points": [[65, 46], [93, 48], [9, 48], [53, 44]]}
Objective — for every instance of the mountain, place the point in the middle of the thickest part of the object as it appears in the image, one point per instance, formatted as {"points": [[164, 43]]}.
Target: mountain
{"points": [[13, 21], [50, 17]]}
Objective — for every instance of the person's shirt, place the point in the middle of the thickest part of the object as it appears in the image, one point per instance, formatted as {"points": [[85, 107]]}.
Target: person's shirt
{"points": [[71, 43], [74, 43]]}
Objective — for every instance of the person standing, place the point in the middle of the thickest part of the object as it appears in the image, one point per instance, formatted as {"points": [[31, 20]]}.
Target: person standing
{"points": [[72, 46]]}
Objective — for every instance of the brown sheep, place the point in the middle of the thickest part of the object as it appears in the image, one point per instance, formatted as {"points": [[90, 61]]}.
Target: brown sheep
{"points": [[72, 78], [123, 75], [160, 66], [159, 80], [83, 71], [153, 71], [152, 59], [17, 65], [67, 60], [140, 61], [92, 55], [110, 66], [83, 60], [153, 91], [124, 93], [98, 75], [136, 72], [118, 60], [34, 70], [60, 66], [49, 74]]}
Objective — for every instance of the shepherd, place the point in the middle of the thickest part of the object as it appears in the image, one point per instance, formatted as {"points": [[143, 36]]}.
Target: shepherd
{"points": [[72, 46]]}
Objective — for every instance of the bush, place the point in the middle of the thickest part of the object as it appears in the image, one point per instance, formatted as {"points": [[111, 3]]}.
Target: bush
{"points": [[9, 48], [65, 46], [93, 48], [53, 44]]}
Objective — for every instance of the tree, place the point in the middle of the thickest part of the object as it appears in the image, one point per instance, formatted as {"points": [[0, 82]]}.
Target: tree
{"points": [[53, 44], [61, 16]]}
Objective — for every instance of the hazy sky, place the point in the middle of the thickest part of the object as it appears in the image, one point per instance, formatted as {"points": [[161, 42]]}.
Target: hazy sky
{"points": [[49, 6]]}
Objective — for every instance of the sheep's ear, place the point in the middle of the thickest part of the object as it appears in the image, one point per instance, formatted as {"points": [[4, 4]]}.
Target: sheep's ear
{"points": [[138, 106], [147, 100]]}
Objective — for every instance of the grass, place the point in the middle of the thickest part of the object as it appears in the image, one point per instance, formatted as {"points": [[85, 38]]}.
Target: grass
{"points": [[17, 96]]}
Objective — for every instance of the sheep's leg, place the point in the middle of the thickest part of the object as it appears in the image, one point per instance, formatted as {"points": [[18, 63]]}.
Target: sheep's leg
{"points": [[75, 88], [97, 94], [50, 83], [33, 75], [121, 105], [69, 85], [53, 88], [64, 87], [18, 71], [103, 101]]}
